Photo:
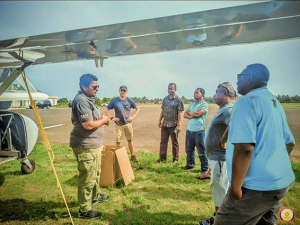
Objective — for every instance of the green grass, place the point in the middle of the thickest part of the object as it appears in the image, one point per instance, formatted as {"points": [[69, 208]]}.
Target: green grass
{"points": [[160, 194], [291, 105]]}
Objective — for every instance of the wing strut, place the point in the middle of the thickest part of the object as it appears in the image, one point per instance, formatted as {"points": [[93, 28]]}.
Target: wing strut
{"points": [[13, 77], [101, 57]]}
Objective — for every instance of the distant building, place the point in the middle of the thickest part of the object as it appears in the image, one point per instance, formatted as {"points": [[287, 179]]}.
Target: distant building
{"points": [[26, 103], [53, 99]]}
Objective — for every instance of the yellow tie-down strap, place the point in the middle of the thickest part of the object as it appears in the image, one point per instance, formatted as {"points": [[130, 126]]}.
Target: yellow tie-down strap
{"points": [[46, 141]]}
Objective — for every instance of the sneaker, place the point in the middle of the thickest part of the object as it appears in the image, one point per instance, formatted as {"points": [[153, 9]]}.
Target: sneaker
{"points": [[208, 221], [89, 214], [175, 162], [160, 160], [187, 167], [205, 175], [133, 158], [102, 198]]}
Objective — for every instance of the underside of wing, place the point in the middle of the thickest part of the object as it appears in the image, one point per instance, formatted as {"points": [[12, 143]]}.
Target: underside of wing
{"points": [[243, 24]]}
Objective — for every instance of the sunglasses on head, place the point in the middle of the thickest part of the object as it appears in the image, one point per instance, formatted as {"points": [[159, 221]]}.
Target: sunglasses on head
{"points": [[220, 85], [95, 87]]}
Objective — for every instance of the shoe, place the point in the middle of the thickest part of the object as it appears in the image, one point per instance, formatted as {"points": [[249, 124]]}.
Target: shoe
{"points": [[133, 158], [89, 214], [160, 160], [208, 221], [102, 198], [205, 175], [187, 167], [175, 162]]}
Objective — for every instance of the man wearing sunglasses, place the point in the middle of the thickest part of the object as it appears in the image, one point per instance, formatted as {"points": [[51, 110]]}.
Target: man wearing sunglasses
{"points": [[86, 140], [257, 153], [122, 106], [215, 152]]}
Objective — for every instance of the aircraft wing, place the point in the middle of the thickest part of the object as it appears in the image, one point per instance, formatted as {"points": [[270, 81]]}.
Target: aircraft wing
{"points": [[264, 21]]}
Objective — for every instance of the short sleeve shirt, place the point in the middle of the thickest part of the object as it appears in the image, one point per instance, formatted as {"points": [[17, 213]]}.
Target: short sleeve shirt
{"points": [[215, 131], [122, 109], [259, 118], [170, 109], [84, 109], [197, 124]]}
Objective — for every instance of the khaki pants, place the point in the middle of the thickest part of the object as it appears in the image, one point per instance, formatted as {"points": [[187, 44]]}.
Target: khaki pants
{"points": [[89, 168], [127, 129]]}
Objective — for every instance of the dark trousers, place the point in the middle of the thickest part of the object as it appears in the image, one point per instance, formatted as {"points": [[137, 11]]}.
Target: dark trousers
{"points": [[195, 139], [166, 132], [255, 207]]}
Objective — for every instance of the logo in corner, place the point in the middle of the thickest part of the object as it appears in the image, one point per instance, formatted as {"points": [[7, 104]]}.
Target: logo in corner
{"points": [[287, 214]]}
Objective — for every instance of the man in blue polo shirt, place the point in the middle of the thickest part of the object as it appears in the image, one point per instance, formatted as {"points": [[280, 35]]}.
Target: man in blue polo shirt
{"points": [[195, 132], [257, 153]]}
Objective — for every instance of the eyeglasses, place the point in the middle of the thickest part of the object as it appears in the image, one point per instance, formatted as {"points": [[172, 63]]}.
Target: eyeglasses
{"points": [[241, 74], [95, 87], [220, 85], [123, 90]]}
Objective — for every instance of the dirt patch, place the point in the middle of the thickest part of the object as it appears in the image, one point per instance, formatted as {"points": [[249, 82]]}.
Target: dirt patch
{"points": [[146, 131]]}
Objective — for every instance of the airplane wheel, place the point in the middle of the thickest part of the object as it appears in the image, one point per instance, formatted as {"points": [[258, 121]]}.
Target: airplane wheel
{"points": [[25, 169], [48, 107]]}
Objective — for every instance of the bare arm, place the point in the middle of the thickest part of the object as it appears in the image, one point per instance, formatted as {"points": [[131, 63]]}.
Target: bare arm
{"points": [[178, 128], [290, 147], [160, 118], [187, 114], [224, 138], [106, 110], [197, 114], [242, 155], [93, 125], [137, 110]]}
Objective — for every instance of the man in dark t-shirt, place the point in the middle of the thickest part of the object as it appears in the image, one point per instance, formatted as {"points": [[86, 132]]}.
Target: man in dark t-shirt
{"points": [[86, 140], [122, 106]]}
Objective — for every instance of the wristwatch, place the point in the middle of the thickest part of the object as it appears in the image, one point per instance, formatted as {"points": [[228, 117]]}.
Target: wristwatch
{"points": [[111, 118]]}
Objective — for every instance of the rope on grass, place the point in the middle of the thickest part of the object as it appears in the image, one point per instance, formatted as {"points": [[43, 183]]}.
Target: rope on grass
{"points": [[46, 141]]}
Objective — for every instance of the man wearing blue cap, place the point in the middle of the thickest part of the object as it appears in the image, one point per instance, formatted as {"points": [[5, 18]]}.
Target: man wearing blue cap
{"points": [[259, 142], [122, 106]]}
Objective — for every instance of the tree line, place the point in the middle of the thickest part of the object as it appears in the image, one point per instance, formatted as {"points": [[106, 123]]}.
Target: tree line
{"points": [[145, 100]]}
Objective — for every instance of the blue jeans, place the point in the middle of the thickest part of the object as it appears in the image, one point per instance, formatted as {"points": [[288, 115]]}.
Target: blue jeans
{"points": [[195, 139]]}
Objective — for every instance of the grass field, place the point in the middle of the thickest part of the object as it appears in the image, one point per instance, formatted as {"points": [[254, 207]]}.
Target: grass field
{"points": [[291, 105], [161, 193]]}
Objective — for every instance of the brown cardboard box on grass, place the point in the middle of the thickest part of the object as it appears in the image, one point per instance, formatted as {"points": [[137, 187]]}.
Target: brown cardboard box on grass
{"points": [[115, 164]]}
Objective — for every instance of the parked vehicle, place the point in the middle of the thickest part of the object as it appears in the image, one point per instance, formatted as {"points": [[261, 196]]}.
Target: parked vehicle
{"points": [[42, 104], [70, 103], [104, 104]]}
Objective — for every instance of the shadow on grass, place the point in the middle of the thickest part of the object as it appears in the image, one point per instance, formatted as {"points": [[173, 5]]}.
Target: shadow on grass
{"points": [[141, 215], [23, 210], [73, 181], [2, 179], [167, 193]]}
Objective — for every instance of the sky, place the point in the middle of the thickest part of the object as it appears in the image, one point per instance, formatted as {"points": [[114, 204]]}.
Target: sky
{"points": [[148, 74]]}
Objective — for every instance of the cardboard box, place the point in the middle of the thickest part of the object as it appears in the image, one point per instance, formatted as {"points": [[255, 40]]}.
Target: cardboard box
{"points": [[115, 164]]}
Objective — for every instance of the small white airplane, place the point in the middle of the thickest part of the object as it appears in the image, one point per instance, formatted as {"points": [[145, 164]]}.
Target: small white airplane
{"points": [[259, 22]]}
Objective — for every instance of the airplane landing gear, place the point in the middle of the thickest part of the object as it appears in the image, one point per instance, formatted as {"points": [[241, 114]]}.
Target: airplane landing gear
{"points": [[28, 166]]}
